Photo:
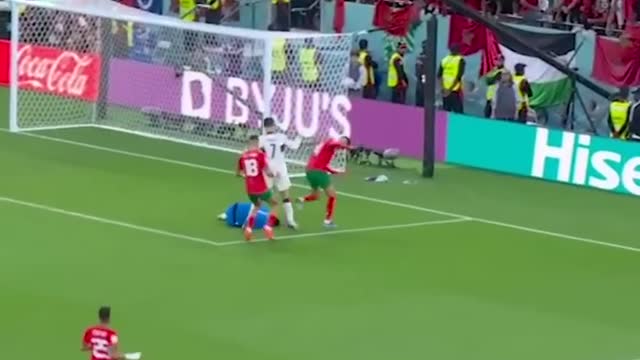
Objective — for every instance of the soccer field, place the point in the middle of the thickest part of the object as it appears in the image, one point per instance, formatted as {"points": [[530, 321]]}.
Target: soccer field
{"points": [[471, 265]]}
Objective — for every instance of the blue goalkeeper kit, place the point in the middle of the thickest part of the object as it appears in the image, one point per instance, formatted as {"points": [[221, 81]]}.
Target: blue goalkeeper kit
{"points": [[238, 213]]}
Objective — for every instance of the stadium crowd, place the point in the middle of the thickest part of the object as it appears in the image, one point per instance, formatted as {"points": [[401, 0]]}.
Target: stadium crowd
{"points": [[507, 89]]}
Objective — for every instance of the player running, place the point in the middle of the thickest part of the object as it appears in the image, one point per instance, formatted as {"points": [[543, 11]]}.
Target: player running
{"points": [[254, 167], [102, 340], [274, 143], [318, 174]]}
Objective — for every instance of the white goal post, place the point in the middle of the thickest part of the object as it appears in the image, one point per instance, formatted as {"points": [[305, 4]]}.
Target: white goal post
{"points": [[80, 63]]}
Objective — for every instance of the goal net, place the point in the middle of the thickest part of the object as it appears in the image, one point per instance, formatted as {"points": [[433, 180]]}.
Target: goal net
{"points": [[78, 63]]}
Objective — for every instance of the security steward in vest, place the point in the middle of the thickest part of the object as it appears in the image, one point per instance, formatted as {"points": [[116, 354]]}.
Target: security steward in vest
{"points": [[189, 12], [634, 123], [450, 75], [363, 50], [492, 79], [308, 62], [397, 79], [619, 115], [369, 81], [283, 14], [279, 58], [122, 32], [524, 92]]}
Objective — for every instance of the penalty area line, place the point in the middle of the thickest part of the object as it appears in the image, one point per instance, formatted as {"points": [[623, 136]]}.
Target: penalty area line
{"points": [[103, 220], [199, 240], [330, 232]]}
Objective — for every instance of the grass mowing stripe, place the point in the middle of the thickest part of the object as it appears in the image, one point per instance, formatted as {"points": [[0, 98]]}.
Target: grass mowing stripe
{"points": [[350, 231], [354, 196]]}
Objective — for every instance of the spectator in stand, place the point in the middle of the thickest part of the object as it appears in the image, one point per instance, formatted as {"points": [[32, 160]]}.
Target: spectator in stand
{"points": [[213, 12], [282, 19], [505, 100], [397, 79], [568, 11], [530, 10], [595, 12], [499, 7], [450, 74], [634, 124], [492, 79], [524, 92], [619, 114]]}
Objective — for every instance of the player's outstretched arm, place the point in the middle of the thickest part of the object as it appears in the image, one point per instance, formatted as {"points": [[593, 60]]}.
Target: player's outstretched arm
{"points": [[293, 144]]}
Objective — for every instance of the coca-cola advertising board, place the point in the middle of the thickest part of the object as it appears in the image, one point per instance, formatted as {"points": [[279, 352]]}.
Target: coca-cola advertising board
{"points": [[53, 71], [371, 123]]}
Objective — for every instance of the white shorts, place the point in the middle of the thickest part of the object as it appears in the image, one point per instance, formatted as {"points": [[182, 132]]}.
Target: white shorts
{"points": [[281, 181]]}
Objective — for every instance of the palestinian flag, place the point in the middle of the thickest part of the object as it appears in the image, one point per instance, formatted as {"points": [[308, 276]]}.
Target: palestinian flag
{"points": [[550, 87]]}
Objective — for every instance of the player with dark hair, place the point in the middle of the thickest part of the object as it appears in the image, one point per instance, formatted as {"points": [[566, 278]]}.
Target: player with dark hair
{"points": [[319, 172], [102, 340], [274, 143], [254, 167]]}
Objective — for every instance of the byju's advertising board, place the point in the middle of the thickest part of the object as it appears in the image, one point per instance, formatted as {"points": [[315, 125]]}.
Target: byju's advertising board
{"points": [[554, 155], [235, 100], [135, 84]]}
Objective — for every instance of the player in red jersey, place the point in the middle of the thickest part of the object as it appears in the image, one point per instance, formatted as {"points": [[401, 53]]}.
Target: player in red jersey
{"points": [[102, 340], [253, 166], [319, 172]]}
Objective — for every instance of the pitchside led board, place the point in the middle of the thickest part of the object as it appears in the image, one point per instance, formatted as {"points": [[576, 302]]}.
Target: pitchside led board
{"points": [[554, 155]]}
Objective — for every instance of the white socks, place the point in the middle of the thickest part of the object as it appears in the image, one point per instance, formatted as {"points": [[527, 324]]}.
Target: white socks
{"points": [[288, 212]]}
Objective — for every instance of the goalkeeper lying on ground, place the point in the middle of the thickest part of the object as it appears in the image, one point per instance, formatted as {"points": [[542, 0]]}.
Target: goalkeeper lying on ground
{"points": [[236, 215]]}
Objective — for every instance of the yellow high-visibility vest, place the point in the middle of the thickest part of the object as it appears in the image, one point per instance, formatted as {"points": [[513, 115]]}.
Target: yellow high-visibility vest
{"points": [[274, 2], [619, 112], [371, 78], [362, 55], [491, 89], [523, 99], [185, 7], [279, 62], [128, 26], [392, 76], [307, 57], [450, 68]]}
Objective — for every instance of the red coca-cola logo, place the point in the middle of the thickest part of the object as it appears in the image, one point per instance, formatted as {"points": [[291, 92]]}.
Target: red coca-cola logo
{"points": [[64, 73]]}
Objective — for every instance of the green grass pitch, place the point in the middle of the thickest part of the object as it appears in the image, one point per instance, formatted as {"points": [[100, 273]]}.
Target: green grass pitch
{"points": [[471, 265]]}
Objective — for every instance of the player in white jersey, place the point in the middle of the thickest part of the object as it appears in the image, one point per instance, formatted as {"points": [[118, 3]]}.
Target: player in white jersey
{"points": [[274, 143]]}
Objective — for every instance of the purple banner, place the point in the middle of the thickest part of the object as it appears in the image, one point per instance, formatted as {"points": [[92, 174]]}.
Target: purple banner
{"points": [[374, 124]]}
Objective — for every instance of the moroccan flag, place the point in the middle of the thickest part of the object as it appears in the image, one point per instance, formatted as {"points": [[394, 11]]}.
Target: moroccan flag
{"points": [[467, 34], [617, 62], [395, 16], [550, 86]]}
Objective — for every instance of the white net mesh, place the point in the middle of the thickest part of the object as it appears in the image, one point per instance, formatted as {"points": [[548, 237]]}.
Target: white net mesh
{"points": [[160, 77]]}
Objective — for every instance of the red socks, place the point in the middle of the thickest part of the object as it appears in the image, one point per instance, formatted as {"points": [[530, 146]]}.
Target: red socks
{"points": [[251, 222], [331, 206], [311, 197]]}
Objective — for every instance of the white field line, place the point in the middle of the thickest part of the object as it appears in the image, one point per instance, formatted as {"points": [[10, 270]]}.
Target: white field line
{"points": [[102, 220], [194, 239], [349, 231], [354, 196]]}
